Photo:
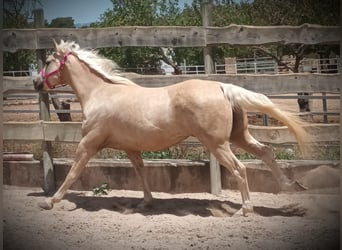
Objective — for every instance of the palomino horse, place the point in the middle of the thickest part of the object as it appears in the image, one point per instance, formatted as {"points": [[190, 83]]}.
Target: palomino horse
{"points": [[122, 115]]}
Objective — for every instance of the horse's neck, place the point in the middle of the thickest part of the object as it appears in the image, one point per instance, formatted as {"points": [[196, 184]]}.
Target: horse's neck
{"points": [[82, 80]]}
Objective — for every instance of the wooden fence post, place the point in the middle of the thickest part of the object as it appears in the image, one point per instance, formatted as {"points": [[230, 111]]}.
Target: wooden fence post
{"points": [[206, 9], [44, 113], [215, 171], [325, 107], [340, 70], [1, 134]]}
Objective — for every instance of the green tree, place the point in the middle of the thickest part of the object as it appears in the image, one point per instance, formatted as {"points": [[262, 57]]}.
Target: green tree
{"points": [[190, 16], [292, 12], [62, 22], [15, 16], [149, 13], [276, 12], [140, 13]]}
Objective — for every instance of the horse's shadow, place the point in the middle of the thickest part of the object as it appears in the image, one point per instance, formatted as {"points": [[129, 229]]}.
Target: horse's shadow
{"points": [[174, 206]]}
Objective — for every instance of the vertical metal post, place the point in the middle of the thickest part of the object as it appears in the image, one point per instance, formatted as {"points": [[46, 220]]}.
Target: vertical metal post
{"points": [[215, 171], [325, 107], [265, 119], [44, 114]]}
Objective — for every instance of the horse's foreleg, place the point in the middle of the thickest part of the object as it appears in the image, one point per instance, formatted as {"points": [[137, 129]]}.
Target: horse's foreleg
{"points": [[83, 154], [138, 164]]}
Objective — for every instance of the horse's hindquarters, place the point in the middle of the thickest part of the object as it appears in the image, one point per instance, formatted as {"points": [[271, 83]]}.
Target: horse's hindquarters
{"points": [[203, 111]]}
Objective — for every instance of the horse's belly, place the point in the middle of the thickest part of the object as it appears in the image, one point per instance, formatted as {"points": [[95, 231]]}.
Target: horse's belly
{"points": [[144, 140]]}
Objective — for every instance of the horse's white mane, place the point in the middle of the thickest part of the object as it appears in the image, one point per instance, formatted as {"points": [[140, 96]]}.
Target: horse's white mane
{"points": [[103, 66]]}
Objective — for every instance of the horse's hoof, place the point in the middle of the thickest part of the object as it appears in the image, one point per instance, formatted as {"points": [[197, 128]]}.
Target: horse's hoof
{"points": [[145, 205], [46, 205], [247, 209], [299, 187], [293, 187]]}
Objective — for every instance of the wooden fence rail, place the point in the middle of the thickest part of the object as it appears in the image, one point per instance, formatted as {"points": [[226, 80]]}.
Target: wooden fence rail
{"points": [[266, 84], [71, 132], [170, 36]]}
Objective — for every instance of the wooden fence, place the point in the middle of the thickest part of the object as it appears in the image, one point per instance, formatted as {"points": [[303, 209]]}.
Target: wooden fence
{"points": [[171, 36], [71, 132], [266, 84], [271, 85], [205, 37]]}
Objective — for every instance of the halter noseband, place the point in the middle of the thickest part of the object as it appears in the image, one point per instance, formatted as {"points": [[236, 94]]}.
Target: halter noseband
{"points": [[45, 76]]}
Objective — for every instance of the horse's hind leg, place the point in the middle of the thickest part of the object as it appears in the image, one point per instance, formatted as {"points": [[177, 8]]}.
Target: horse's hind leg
{"points": [[241, 137], [226, 157], [138, 164], [84, 152]]}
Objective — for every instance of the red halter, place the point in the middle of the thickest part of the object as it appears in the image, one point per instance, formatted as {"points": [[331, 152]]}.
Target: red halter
{"points": [[45, 76]]}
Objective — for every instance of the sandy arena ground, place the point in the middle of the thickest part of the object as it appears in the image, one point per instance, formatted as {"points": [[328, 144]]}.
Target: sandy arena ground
{"points": [[301, 220]]}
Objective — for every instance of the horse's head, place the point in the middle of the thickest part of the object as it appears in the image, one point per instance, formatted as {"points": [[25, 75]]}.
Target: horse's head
{"points": [[51, 74]]}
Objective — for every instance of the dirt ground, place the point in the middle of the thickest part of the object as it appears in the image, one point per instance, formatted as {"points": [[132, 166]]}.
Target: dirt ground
{"points": [[301, 220]]}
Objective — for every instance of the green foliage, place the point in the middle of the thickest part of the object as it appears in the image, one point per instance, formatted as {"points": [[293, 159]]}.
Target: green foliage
{"points": [[62, 22], [245, 156], [138, 13], [147, 13], [332, 154], [287, 154], [131, 57], [292, 12], [16, 17], [164, 154], [225, 12], [328, 152], [20, 60], [101, 190]]}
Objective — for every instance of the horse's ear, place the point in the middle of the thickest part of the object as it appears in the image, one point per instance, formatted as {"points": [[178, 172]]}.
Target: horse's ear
{"points": [[55, 45]]}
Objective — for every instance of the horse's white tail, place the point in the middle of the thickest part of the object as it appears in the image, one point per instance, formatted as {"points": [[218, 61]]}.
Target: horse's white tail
{"points": [[252, 101]]}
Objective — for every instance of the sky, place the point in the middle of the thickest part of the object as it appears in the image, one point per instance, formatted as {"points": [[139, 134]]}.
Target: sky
{"points": [[82, 11]]}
